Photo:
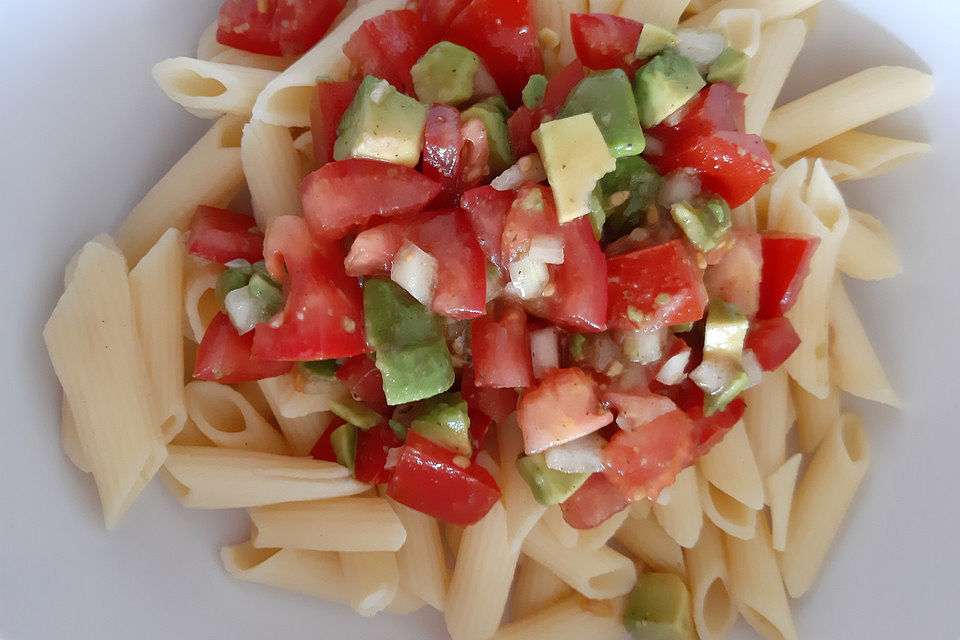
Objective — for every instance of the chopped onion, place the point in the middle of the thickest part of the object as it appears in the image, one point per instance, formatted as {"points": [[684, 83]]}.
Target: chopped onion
{"points": [[752, 367], [245, 311], [483, 83], [643, 346], [702, 47], [238, 263], [529, 168], [678, 186], [544, 350], [528, 276], [393, 457], [714, 374], [652, 146], [548, 249], [600, 352], [577, 456], [671, 371], [416, 271]]}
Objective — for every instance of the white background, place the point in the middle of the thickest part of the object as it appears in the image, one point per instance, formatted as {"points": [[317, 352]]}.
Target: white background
{"points": [[84, 133]]}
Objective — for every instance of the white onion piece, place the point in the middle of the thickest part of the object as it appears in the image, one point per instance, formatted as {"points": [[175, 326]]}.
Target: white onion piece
{"points": [[528, 276], [652, 146], [702, 47], [714, 374], [416, 271], [529, 168], [577, 456], [544, 351], [238, 263], [245, 311], [548, 249], [600, 352], [671, 371], [393, 457], [678, 186], [643, 347], [752, 368]]}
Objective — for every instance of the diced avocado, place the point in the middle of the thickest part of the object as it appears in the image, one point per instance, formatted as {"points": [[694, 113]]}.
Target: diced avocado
{"points": [[445, 74], [444, 420], [608, 96], [383, 124], [267, 290], [653, 40], [597, 215], [534, 91], [548, 486], [499, 103], [714, 402], [575, 156], [705, 223], [576, 345], [659, 609], [399, 429], [626, 194], [730, 66], [343, 440], [498, 135], [412, 355], [326, 369], [723, 338], [232, 278], [663, 85], [355, 413]]}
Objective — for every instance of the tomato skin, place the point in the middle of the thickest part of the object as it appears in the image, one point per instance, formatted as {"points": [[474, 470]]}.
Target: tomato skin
{"points": [[221, 236], [387, 46], [480, 424], [225, 356], [361, 377], [563, 406], [487, 209], [637, 278], [442, 142], [498, 404], [593, 503], [286, 27], [603, 41], [637, 409], [503, 34], [322, 317], [580, 303], [323, 449], [438, 14], [427, 478], [330, 100], [521, 126], [786, 262], [560, 86], [718, 107], [772, 341], [343, 194], [372, 446], [501, 350]]}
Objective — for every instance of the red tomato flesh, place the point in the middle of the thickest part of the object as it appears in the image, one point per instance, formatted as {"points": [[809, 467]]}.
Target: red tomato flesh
{"points": [[323, 449], [442, 142], [496, 403], [221, 236], [225, 356], [501, 350], [560, 86], [372, 447], [562, 407], [275, 27], [718, 107], [487, 210], [593, 503], [438, 14], [361, 377], [330, 100], [603, 41], [786, 262], [772, 341], [387, 46]]}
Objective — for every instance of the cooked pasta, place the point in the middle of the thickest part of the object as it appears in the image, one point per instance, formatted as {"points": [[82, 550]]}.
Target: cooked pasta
{"points": [[534, 589], [714, 610], [315, 573], [227, 418], [210, 89]]}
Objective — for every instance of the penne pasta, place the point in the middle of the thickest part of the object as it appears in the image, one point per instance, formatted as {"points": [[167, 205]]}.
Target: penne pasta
{"points": [[770, 10], [779, 46], [740, 28], [209, 89], [301, 432], [815, 416], [730, 467], [714, 611], [314, 573], [404, 602], [523, 511], [768, 419], [70, 439], [555, 16], [562, 532], [780, 485], [599, 535], [290, 402], [534, 589], [682, 516], [854, 155], [605, 6], [271, 165], [227, 418], [727, 513], [421, 559], [665, 13], [207, 45], [867, 251], [371, 578], [572, 618], [646, 539], [200, 304]]}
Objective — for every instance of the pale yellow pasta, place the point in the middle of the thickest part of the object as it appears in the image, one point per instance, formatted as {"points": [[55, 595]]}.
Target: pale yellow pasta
{"points": [[208, 173], [404, 602], [696, 6], [823, 497], [768, 419], [596, 573], [251, 391], [191, 436], [857, 368], [664, 13], [70, 439], [207, 45], [314, 573], [372, 579], [421, 559], [844, 105], [535, 588], [214, 478], [867, 251], [727, 513], [780, 485], [253, 60], [452, 535], [289, 401], [810, 16], [210, 89], [646, 539], [854, 155], [555, 15], [682, 516], [770, 10], [605, 6], [481, 579], [731, 468], [714, 611], [601, 534], [199, 298], [740, 28], [572, 618], [780, 44], [271, 165], [228, 419], [92, 340], [286, 100], [815, 415], [562, 532], [303, 143], [523, 511], [341, 524], [301, 432], [156, 288]]}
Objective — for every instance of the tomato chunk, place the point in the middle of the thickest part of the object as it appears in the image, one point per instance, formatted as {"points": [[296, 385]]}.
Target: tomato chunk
{"points": [[387, 46], [521, 126], [501, 350], [580, 302], [361, 377], [372, 447], [221, 236], [593, 503], [603, 41], [442, 142], [707, 430], [479, 428], [735, 278], [323, 449], [225, 356], [772, 341], [322, 317], [562, 407], [330, 100], [718, 107], [496, 403], [487, 209], [560, 86], [786, 262], [343, 194], [429, 479], [275, 28], [438, 14]]}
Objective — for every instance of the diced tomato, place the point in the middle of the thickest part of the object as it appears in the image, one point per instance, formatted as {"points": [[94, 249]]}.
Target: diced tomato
{"points": [[532, 214], [654, 287], [323, 449], [643, 461], [560, 86], [479, 428], [474, 155], [442, 141], [736, 277], [487, 209], [503, 33], [221, 236], [593, 503], [322, 316], [786, 262], [225, 356], [362, 378], [387, 46], [330, 100], [718, 107], [635, 410], [772, 341], [707, 430], [580, 301], [562, 407], [521, 126], [438, 14], [346, 193], [275, 27], [496, 403], [604, 41], [429, 479], [372, 446], [501, 350]]}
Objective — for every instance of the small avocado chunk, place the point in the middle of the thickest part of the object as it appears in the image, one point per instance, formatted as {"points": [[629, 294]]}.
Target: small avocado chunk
{"points": [[445, 421], [725, 331], [267, 291], [704, 222], [498, 135], [548, 486], [412, 355], [575, 156], [659, 609], [597, 215], [534, 91], [231, 279], [730, 66], [626, 193], [326, 369], [381, 123], [653, 40], [445, 74], [721, 374], [355, 413], [343, 440], [608, 96], [663, 85]]}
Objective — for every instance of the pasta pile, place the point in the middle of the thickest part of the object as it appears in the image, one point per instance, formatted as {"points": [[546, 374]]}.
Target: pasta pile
{"points": [[748, 527]]}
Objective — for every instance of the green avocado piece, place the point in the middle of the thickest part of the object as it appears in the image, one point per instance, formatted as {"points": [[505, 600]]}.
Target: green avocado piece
{"points": [[445, 74], [381, 123], [663, 85], [653, 40], [326, 369], [724, 334], [355, 413], [445, 421], [498, 135], [343, 440], [608, 96], [597, 215], [534, 91], [659, 609], [232, 278], [268, 291], [730, 66], [704, 222], [626, 194], [548, 486]]}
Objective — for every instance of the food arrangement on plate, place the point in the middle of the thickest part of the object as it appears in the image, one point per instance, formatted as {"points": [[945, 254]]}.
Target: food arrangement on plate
{"points": [[529, 300]]}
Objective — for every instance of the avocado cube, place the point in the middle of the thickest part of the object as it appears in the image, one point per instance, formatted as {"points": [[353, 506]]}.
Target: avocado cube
{"points": [[343, 440], [383, 124], [355, 413], [498, 135], [626, 193], [608, 96], [705, 223], [725, 331], [653, 40], [534, 91], [730, 66], [445, 74], [415, 373], [663, 85], [548, 486], [444, 420], [659, 609]]}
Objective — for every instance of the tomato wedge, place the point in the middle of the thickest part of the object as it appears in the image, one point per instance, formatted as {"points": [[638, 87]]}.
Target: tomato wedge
{"points": [[501, 350], [786, 262], [487, 209], [580, 302], [560, 86], [275, 28], [438, 14], [562, 407], [361, 377], [603, 41], [593, 503], [442, 142], [372, 447], [480, 424], [772, 341], [225, 356], [707, 430], [323, 449], [387, 46], [735, 278], [496, 403], [221, 236], [330, 100], [718, 107]]}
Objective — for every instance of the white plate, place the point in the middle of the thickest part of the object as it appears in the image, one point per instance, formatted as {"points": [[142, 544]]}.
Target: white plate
{"points": [[84, 133]]}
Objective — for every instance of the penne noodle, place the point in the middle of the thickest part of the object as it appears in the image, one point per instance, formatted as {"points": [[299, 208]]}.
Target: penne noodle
{"points": [[523, 511], [731, 468], [714, 611], [682, 516], [562, 532], [302, 432], [207, 45], [729, 514], [535, 588], [209, 89], [815, 416], [867, 251], [227, 418], [605, 6], [290, 402], [70, 439], [371, 578], [768, 419], [779, 46], [404, 602], [646, 539], [421, 559], [740, 28], [314, 573], [854, 155], [770, 10], [191, 436], [780, 485], [200, 304], [664, 13], [601, 534], [572, 618], [271, 165]]}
